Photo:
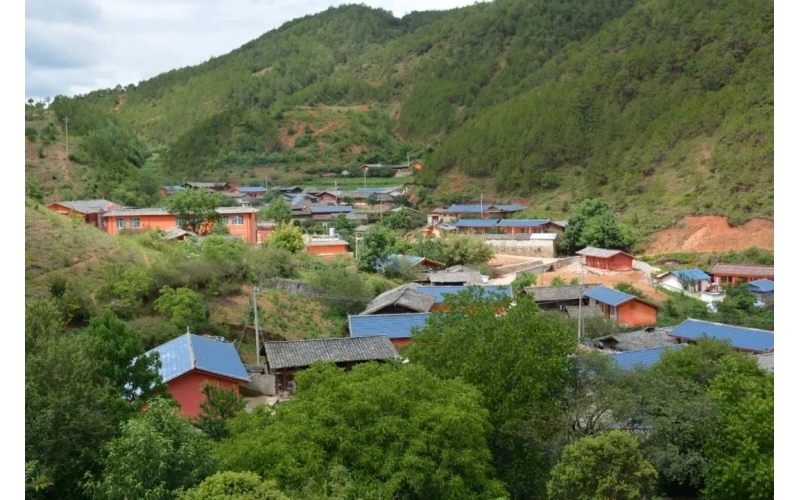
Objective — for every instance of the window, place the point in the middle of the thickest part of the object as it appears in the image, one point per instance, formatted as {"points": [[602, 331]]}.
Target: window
{"points": [[120, 223], [226, 221], [238, 220], [136, 222]]}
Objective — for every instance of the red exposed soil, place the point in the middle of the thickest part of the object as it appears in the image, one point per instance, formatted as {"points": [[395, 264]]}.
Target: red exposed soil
{"points": [[711, 233]]}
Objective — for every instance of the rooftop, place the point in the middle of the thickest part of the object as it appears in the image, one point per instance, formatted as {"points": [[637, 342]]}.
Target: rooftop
{"points": [[644, 357], [691, 274], [405, 296], [302, 353], [600, 252], [744, 270], [394, 326], [746, 339], [189, 351], [439, 292], [639, 339], [557, 293], [87, 206], [762, 286]]}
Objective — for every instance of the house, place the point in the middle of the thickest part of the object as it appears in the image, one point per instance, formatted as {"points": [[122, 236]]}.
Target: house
{"points": [[476, 226], [241, 221], [624, 308], [209, 186], [483, 211], [729, 274], [556, 226], [189, 361], [265, 229], [90, 210], [522, 226], [743, 339], [455, 275], [559, 297], [176, 233], [637, 340], [394, 262], [685, 280], [396, 327], [600, 258], [440, 292], [764, 290], [321, 212], [288, 189], [253, 191], [285, 358], [167, 190], [401, 300], [644, 358], [327, 247]]}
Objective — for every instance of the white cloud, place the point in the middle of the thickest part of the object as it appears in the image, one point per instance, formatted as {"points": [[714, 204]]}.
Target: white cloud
{"points": [[75, 46]]}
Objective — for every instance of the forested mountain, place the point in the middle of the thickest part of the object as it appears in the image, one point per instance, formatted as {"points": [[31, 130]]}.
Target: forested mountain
{"points": [[663, 106]]}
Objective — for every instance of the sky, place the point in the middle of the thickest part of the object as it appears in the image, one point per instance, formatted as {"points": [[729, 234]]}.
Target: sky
{"points": [[76, 46]]}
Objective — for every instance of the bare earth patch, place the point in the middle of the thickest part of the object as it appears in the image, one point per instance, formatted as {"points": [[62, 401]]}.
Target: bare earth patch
{"points": [[709, 233]]}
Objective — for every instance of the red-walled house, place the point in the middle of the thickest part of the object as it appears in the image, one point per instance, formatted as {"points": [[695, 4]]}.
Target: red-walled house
{"points": [[90, 210], [724, 274], [327, 247], [189, 361], [615, 260], [241, 221], [626, 309]]}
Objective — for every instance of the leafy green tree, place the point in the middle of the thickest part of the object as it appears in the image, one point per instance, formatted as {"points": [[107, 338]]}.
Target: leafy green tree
{"points": [[195, 209], [265, 262], [156, 455], [741, 455], [182, 306], [593, 223], [608, 466], [627, 287], [738, 303], [278, 210], [522, 281], [404, 219], [286, 237], [35, 479], [219, 406], [132, 286], [234, 486], [342, 288], [377, 242], [522, 384], [391, 431], [464, 250], [557, 281]]}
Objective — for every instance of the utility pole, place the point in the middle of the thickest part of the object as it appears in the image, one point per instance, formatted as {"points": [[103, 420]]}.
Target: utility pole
{"points": [[481, 205], [255, 315], [365, 176], [66, 133], [580, 306]]}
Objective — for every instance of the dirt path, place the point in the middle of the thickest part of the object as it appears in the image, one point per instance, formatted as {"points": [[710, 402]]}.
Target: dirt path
{"points": [[709, 233]]}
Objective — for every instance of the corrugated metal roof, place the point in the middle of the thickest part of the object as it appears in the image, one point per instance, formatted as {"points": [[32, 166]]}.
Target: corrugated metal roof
{"points": [[691, 274], [332, 210], [645, 357], [748, 339], [522, 222], [301, 353], [762, 286], [469, 208], [511, 208], [187, 352], [608, 296], [439, 292], [743, 270], [599, 252], [476, 223], [394, 326], [252, 189]]}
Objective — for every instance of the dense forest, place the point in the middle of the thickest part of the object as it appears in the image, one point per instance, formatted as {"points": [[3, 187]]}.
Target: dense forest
{"points": [[664, 107]]}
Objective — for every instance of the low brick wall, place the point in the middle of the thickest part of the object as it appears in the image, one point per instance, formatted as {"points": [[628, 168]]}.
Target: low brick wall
{"points": [[524, 248]]}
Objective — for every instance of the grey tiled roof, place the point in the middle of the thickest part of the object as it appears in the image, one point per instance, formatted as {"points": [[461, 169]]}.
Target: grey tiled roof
{"points": [[236, 210], [599, 252], [466, 277], [87, 206], [176, 232], [136, 211], [585, 311], [404, 296], [301, 353], [744, 270], [564, 292], [640, 339]]}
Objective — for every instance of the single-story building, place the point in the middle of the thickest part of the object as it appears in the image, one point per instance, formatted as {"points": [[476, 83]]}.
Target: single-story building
{"points": [[327, 247], [685, 280], [637, 340], [285, 358], [522, 226], [167, 190], [645, 358], [90, 210], [743, 339], [401, 300], [764, 290], [189, 361], [396, 327], [626, 309], [600, 258], [395, 262], [476, 226], [440, 293], [486, 210], [253, 191], [241, 221], [454, 276], [728, 274], [559, 297]]}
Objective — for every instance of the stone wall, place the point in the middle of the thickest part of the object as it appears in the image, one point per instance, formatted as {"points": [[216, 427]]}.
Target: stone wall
{"points": [[524, 248]]}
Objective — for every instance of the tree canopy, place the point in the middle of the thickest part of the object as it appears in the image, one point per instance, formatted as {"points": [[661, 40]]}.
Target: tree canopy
{"points": [[195, 209], [593, 224]]}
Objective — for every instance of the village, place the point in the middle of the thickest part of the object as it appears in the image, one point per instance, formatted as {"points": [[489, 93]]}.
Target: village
{"points": [[522, 247]]}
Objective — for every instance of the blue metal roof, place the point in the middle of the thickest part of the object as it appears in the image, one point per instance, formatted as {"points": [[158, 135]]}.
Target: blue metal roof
{"points": [[331, 210], [370, 190], [762, 286], [511, 208], [173, 188], [691, 274], [468, 208], [645, 357], [252, 189], [748, 339], [608, 296], [476, 223], [394, 326], [187, 352], [478, 290], [522, 222]]}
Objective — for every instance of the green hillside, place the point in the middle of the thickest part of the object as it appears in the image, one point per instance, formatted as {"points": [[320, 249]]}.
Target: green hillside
{"points": [[664, 107]]}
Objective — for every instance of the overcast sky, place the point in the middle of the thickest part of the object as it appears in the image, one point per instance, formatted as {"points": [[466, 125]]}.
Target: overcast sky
{"points": [[76, 46]]}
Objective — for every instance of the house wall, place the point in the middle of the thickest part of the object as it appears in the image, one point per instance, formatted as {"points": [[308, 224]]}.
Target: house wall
{"points": [[93, 219], [263, 234], [618, 262], [328, 249], [671, 282], [328, 198], [521, 230], [526, 248], [723, 279], [186, 389], [146, 222], [398, 343], [636, 313], [247, 230]]}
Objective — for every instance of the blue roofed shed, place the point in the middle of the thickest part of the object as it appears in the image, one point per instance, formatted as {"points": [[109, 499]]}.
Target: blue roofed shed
{"points": [[645, 358], [626, 309], [689, 280], [397, 327], [741, 338]]}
